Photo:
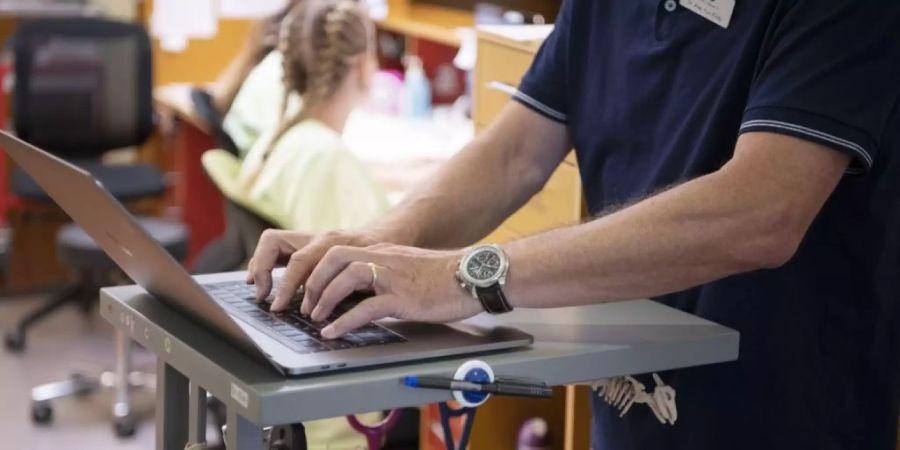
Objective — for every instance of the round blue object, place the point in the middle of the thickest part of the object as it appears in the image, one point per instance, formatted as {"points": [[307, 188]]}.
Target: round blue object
{"points": [[480, 376]]}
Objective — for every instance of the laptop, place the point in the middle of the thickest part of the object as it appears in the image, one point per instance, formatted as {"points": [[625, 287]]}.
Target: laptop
{"points": [[288, 341]]}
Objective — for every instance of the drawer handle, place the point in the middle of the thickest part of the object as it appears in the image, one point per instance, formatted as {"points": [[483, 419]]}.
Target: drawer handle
{"points": [[500, 86]]}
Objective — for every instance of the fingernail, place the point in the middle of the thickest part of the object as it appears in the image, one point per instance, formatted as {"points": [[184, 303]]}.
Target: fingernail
{"points": [[328, 332], [315, 311]]}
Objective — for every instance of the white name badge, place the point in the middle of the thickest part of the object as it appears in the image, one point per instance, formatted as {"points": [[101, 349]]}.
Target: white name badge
{"points": [[717, 11]]}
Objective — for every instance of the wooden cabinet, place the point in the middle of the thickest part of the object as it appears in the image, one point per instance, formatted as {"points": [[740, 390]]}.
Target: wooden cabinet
{"points": [[559, 203], [439, 20], [503, 62]]}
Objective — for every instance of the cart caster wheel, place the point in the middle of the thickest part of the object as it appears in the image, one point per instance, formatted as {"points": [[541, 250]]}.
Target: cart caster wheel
{"points": [[125, 427], [41, 413], [14, 341]]}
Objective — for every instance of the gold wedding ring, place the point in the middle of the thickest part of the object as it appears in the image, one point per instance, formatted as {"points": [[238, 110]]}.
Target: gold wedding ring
{"points": [[374, 273]]}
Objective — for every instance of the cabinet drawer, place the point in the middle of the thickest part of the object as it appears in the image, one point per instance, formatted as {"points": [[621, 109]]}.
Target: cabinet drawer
{"points": [[489, 103], [496, 63], [558, 204]]}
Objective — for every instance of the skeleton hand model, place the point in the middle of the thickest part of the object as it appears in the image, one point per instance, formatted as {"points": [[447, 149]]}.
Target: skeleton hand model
{"points": [[623, 392]]}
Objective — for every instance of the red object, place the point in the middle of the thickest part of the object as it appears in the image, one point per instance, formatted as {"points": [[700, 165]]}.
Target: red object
{"points": [[437, 60], [5, 68], [197, 198]]}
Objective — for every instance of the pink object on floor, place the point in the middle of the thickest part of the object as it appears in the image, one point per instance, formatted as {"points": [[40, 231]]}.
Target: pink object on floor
{"points": [[534, 435]]}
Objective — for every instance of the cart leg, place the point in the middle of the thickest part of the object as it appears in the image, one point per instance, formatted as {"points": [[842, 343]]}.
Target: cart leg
{"points": [[197, 415], [241, 434], [121, 410], [171, 408]]}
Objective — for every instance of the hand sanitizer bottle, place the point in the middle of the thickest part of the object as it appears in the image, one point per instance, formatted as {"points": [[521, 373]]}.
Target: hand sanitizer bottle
{"points": [[416, 90]]}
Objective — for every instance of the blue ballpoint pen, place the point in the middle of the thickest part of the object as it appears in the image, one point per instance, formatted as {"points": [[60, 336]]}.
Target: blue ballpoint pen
{"points": [[498, 387]]}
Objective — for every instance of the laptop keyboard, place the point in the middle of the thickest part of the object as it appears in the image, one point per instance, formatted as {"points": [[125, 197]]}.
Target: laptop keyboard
{"points": [[299, 333]]}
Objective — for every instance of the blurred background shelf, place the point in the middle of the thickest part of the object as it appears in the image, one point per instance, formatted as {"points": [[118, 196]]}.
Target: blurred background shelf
{"points": [[439, 20]]}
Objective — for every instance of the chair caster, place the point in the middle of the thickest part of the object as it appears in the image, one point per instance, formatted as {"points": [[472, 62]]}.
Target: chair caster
{"points": [[83, 383], [124, 427], [14, 341], [41, 413]]}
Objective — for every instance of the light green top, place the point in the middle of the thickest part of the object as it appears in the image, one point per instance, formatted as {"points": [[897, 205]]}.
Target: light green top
{"points": [[258, 103], [309, 182]]}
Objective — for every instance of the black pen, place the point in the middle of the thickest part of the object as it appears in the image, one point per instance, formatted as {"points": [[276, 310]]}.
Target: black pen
{"points": [[498, 387]]}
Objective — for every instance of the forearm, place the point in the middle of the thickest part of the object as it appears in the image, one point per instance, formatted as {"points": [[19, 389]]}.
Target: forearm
{"points": [[726, 223], [481, 186], [751, 214], [665, 244], [229, 82], [456, 206]]}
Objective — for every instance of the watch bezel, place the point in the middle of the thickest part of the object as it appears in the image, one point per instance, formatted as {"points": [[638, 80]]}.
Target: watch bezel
{"points": [[498, 278]]}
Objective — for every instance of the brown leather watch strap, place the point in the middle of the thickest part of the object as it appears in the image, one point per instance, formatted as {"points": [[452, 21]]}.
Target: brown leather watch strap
{"points": [[493, 300]]}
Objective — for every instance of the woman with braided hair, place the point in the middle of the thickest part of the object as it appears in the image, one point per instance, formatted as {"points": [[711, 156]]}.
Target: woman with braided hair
{"points": [[301, 175]]}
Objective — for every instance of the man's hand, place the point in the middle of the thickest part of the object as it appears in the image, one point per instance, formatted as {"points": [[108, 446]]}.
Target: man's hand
{"points": [[409, 283], [301, 252]]}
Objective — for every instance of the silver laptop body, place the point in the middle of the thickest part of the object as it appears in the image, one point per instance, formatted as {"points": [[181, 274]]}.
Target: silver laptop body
{"points": [[122, 238]]}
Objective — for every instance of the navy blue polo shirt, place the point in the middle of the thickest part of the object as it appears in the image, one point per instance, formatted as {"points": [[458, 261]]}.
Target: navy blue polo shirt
{"points": [[654, 95]]}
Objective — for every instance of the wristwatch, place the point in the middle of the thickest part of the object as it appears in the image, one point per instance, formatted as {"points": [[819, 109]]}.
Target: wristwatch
{"points": [[482, 273]]}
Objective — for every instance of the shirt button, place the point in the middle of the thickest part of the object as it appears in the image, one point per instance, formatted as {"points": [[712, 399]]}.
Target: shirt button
{"points": [[670, 5]]}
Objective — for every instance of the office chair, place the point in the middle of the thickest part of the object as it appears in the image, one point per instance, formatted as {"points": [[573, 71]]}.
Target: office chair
{"points": [[76, 250], [232, 250], [205, 107], [83, 88]]}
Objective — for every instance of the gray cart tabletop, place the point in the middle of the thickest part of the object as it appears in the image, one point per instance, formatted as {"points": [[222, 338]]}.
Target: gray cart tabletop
{"points": [[572, 345]]}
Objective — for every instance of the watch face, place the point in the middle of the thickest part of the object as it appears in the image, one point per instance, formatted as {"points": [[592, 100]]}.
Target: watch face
{"points": [[484, 265]]}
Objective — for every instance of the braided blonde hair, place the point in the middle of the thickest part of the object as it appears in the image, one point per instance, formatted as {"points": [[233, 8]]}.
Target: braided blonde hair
{"points": [[318, 40]]}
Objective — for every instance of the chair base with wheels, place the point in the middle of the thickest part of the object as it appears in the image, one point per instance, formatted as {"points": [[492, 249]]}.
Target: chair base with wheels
{"points": [[78, 251], [122, 381]]}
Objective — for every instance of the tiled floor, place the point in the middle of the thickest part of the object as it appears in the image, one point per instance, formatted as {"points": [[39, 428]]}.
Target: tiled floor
{"points": [[64, 343]]}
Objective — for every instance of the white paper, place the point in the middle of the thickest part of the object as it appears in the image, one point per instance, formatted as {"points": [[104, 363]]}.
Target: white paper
{"points": [[378, 9], [175, 22], [249, 9], [519, 33], [173, 44], [718, 12], [468, 49]]}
